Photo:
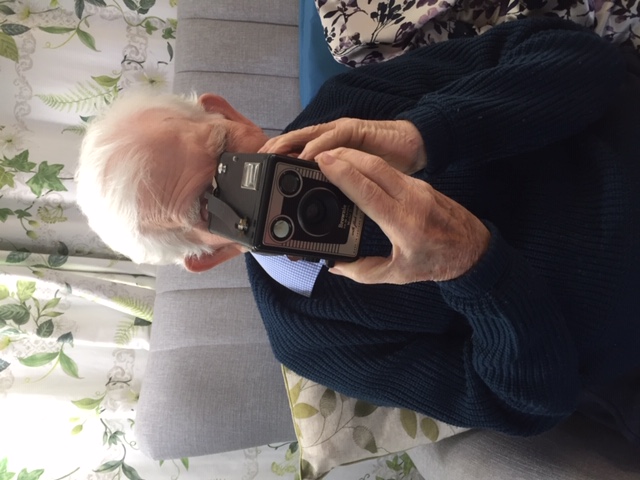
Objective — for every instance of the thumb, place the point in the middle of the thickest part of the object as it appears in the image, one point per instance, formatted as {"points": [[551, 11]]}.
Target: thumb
{"points": [[366, 270]]}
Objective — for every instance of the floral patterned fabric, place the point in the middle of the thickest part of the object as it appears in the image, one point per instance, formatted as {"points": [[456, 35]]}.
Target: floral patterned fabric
{"points": [[74, 316], [368, 31], [334, 430]]}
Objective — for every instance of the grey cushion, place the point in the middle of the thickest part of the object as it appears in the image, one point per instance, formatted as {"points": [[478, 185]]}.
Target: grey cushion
{"points": [[246, 54], [279, 12], [212, 383], [575, 450]]}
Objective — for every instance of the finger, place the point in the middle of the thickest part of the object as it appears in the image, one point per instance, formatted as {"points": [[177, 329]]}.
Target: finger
{"points": [[295, 140], [281, 146], [370, 197], [372, 167], [367, 270], [340, 136], [382, 200]]}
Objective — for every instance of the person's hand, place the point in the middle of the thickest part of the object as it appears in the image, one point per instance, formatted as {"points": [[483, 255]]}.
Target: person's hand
{"points": [[433, 237], [397, 141]]}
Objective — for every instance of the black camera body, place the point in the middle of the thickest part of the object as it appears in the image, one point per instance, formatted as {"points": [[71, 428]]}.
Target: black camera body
{"points": [[275, 204]]}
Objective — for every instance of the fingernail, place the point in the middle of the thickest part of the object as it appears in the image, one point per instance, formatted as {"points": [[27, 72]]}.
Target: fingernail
{"points": [[326, 158]]}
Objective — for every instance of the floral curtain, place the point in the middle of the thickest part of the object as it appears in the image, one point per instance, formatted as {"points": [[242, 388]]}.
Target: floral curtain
{"points": [[74, 317]]}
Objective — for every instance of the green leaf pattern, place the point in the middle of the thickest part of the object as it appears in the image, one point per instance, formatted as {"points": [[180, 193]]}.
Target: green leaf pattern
{"points": [[39, 359], [409, 422], [89, 95], [135, 307], [333, 429], [5, 474], [24, 312], [8, 47]]}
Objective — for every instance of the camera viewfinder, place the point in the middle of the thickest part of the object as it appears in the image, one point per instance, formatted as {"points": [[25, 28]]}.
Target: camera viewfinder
{"points": [[290, 183]]}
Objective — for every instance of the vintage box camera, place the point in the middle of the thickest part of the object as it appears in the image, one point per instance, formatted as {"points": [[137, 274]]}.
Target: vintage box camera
{"points": [[282, 205]]}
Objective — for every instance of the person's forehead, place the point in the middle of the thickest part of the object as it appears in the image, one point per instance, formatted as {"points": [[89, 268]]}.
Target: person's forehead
{"points": [[160, 131], [158, 118]]}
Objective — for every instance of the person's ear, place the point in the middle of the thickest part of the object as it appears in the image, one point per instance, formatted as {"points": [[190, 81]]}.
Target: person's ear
{"points": [[207, 261], [216, 104]]}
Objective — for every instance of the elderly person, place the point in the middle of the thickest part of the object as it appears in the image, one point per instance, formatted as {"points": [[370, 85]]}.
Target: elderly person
{"points": [[498, 284]]}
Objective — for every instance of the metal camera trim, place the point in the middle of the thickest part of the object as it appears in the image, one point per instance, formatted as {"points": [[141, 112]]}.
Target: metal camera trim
{"points": [[291, 224], [300, 186]]}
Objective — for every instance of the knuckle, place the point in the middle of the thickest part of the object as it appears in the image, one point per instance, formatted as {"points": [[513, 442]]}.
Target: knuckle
{"points": [[354, 128], [368, 193], [340, 152], [373, 164], [346, 127], [311, 129]]}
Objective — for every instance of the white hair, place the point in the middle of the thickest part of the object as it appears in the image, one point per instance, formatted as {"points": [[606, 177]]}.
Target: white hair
{"points": [[114, 165]]}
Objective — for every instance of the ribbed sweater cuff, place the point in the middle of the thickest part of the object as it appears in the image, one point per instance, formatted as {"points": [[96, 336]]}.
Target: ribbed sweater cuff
{"points": [[431, 120], [486, 275]]}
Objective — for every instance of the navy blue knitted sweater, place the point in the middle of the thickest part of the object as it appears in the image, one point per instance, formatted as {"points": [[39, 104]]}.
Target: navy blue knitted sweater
{"points": [[532, 127]]}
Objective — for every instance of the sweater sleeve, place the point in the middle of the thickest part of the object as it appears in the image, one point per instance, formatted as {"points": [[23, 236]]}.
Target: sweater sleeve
{"points": [[520, 346], [516, 88], [528, 88], [514, 370]]}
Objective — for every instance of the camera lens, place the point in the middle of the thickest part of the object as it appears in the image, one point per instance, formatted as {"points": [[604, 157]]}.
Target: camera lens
{"points": [[289, 183], [281, 229], [319, 212]]}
